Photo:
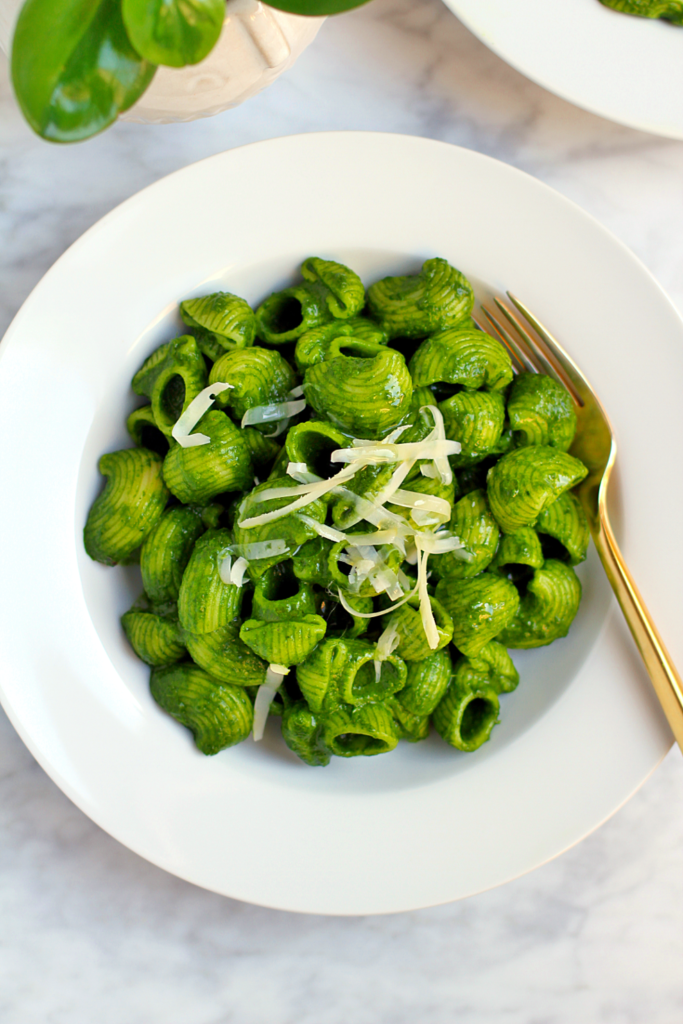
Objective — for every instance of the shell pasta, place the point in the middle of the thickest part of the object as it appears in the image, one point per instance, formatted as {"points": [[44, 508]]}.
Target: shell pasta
{"points": [[347, 507]]}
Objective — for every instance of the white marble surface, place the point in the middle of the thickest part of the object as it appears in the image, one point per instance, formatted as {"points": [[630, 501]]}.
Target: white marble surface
{"points": [[88, 931]]}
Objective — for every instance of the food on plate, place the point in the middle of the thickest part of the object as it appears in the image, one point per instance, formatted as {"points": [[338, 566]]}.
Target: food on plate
{"points": [[669, 10], [346, 507]]}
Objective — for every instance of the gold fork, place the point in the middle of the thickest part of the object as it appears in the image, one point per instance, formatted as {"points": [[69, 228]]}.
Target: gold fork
{"points": [[534, 350]]}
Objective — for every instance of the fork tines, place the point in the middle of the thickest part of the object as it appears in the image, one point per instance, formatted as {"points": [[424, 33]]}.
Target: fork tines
{"points": [[530, 345]]}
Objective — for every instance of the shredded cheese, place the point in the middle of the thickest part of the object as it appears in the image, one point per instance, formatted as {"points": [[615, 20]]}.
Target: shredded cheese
{"points": [[263, 549], [265, 696], [188, 420], [386, 645], [308, 492]]}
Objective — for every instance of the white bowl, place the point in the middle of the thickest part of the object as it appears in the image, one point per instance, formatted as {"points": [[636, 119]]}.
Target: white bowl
{"points": [[256, 45], [625, 68], [424, 824]]}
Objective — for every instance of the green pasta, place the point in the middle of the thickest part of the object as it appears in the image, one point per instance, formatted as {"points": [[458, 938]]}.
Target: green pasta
{"points": [[547, 609], [155, 640], [217, 714], [302, 732], [361, 387], [280, 597], [525, 481], [395, 513], [436, 298], [475, 419], [541, 411], [520, 548], [142, 427], [669, 10], [313, 346], [407, 621], [129, 506], [565, 522], [426, 683], [258, 376], [283, 643], [472, 522], [227, 318], [196, 475], [462, 356], [205, 601], [480, 608], [225, 656], [171, 378], [465, 718], [366, 730], [166, 552]]}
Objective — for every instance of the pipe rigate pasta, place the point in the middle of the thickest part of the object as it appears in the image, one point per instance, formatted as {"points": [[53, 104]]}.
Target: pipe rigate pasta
{"points": [[359, 555], [426, 683], [465, 357], [280, 597], [525, 481], [465, 717], [565, 522], [166, 552], [480, 607], [363, 388], [407, 622], [218, 715], [409, 726], [547, 609], [473, 523], [283, 643], [155, 640], [668, 10], [205, 601], [226, 318], [172, 376], [340, 286], [368, 730], [225, 657], [259, 376], [263, 450], [520, 548], [132, 501], [142, 427], [475, 419], [413, 306], [313, 346], [196, 475], [283, 537], [313, 442], [541, 411], [302, 732]]}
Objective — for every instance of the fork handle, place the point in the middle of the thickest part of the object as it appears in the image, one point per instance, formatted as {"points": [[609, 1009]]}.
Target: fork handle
{"points": [[663, 675]]}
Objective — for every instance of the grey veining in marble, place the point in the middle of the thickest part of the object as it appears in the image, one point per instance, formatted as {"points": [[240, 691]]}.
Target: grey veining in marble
{"points": [[88, 931]]}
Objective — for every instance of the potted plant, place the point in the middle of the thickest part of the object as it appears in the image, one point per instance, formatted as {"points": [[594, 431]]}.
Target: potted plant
{"points": [[77, 65]]}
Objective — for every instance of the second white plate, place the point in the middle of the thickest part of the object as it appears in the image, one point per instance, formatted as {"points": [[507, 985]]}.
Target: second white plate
{"points": [[627, 69]]}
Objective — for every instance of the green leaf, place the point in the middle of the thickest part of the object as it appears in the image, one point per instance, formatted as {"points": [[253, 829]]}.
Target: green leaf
{"points": [[174, 32], [74, 69], [315, 7]]}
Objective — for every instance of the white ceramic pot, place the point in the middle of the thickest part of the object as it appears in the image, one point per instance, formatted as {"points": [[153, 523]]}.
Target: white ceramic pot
{"points": [[256, 45]]}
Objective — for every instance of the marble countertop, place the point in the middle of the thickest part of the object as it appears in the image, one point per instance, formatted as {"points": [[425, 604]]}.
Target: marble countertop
{"points": [[89, 931]]}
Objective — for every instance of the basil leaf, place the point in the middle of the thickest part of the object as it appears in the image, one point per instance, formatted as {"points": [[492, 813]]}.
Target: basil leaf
{"points": [[73, 68], [316, 8], [174, 32]]}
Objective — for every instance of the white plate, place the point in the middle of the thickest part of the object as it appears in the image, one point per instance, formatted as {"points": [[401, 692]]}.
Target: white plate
{"points": [[625, 68], [424, 824]]}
